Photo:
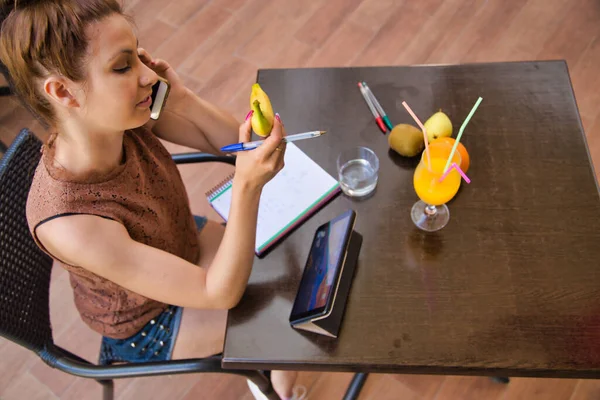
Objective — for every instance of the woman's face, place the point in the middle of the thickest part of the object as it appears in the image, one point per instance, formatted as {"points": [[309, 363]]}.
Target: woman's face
{"points": [[116, 92]]}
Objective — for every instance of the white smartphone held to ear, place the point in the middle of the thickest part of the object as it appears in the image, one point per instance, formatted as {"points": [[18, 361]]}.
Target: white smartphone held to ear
{"points": [[160, 92]]}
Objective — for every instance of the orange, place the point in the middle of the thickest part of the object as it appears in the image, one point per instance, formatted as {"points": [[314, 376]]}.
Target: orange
{"points": [[465, 161]]}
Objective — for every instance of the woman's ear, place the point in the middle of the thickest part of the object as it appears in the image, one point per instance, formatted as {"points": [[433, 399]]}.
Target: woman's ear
{"points": [[57, 89]]}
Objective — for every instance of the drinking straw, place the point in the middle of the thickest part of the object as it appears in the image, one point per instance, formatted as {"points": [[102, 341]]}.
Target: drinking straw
{"points": [[412, 114], [460, 171], [460, 132]]}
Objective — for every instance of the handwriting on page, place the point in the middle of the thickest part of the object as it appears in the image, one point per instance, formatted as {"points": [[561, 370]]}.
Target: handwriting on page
{"points": [[290, 194], [287, 197]]}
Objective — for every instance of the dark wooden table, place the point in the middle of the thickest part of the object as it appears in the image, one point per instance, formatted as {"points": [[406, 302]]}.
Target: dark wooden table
{"points": [[510, 287]]}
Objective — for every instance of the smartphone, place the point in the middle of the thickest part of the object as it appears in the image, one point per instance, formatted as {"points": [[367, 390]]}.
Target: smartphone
{"points": [[323, 268], [160, 92]]}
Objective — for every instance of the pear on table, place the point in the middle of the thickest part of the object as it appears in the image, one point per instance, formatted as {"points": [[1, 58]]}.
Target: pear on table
{"points": [[263, 116], [407, 140], [437, 126]]}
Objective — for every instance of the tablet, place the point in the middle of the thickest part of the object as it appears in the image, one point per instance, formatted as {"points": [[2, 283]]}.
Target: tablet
{"points": [[319, 283]]}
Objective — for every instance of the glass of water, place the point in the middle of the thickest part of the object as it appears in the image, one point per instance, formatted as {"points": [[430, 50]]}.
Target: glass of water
{"points": [[357, 171]]}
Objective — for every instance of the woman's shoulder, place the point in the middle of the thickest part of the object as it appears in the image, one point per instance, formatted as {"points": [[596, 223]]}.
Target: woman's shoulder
{"points": [[52, 194], [43, 196], [64, 238]]}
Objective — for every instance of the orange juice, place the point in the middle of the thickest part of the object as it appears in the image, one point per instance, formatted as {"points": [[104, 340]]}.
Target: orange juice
{"points": [[441, 150], [427, 182]]}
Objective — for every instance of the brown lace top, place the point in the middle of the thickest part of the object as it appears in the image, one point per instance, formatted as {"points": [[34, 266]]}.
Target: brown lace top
{"points": [[146, 194]]}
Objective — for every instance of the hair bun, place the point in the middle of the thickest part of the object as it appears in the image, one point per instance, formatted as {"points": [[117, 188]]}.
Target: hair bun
{"points": [[7, 6], [24, 3], [17, 4]]}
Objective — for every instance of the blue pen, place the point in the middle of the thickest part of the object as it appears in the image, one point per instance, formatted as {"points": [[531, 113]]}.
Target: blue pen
{"points": [[252, 145]]}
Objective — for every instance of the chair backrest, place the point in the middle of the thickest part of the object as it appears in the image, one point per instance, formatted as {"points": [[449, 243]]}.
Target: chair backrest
{"points": [[24, 268]]}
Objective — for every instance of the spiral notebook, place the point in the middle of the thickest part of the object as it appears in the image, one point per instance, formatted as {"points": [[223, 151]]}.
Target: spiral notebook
{"points": [[287, 200]]}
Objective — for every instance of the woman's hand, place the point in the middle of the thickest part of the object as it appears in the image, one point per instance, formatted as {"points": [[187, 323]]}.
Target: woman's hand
{"points": [[254, 168], [178, 91]]}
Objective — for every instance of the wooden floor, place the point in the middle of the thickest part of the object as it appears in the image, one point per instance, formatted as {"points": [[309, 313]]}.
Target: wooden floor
{"points": [[217, 47]]}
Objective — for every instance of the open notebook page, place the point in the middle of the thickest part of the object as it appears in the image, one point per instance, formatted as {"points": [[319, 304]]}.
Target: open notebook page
{"points": [[295, 191]]}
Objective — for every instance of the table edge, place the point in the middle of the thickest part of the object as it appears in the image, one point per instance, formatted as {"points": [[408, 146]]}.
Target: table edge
{"points": [[228, 364], [466, 64]]}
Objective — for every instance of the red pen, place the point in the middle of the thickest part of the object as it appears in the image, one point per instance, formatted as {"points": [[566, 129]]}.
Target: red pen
{"points": [[378, 119]]}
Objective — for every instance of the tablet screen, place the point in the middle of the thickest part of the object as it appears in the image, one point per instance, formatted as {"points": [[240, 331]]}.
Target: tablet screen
{"points": [[322, 266]]}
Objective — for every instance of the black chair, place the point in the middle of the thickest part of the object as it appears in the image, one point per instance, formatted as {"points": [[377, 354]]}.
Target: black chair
{"points": [[25, 282]]}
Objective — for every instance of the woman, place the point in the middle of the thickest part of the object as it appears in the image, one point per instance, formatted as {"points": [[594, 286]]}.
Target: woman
{"points": [[108, 203]]}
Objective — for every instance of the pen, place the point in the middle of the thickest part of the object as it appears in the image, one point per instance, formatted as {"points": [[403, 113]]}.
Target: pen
{"points": [[372, 108], [256, 143], [384, 116]]}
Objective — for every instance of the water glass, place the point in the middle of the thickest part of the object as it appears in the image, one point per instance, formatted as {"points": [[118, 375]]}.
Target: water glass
{"points": [[358, 169]]}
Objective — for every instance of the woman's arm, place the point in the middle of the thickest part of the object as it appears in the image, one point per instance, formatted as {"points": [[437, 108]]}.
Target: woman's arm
{"points": [[112, 254], [187, 119], [194, 122], [105, 248]]}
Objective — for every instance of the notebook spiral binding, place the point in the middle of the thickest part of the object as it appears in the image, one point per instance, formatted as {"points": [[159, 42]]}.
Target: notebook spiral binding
{"points": [[219, 188]]}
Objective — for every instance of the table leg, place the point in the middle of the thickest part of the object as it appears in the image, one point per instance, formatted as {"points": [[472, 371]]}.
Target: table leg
{"points": [[355, 386]]}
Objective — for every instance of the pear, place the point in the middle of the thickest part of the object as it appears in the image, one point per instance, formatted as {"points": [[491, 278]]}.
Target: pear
{"points": [[406, 140], [263, 116], [437, 126]]}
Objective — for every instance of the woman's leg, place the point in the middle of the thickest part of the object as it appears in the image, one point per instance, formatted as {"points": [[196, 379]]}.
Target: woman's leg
{"points": [[283, 383], [202, 332]]}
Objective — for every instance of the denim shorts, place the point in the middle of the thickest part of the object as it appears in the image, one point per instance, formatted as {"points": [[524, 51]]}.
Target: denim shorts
{"points": [[154, 342]]}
